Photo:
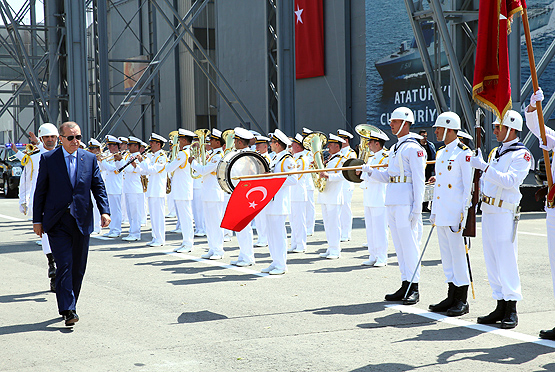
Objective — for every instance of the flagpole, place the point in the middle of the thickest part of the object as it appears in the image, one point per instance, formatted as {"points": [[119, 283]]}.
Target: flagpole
{"points": [[536, 87]]}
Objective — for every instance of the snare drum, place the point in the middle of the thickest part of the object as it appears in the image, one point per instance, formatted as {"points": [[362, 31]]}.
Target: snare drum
{"points": [[239, 163]]}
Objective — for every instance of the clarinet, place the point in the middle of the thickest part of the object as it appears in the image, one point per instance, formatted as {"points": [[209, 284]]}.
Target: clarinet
{"points": [[131, 160]]}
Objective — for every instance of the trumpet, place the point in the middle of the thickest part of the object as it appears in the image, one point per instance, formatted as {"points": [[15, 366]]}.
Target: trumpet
{"points": [[199, 152], [102, 156], [229, 137], [30, 149], [314, 142]]}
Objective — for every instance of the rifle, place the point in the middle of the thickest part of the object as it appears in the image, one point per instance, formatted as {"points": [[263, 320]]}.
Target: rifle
{"points": [[470, 228]]}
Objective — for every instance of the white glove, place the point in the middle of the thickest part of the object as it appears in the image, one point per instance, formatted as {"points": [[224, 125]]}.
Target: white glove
{"points": [[433, 219], [536, 97], [464, 216], [414, 219], [478, 162], [544, 147], [367, 168], [23, 208]]}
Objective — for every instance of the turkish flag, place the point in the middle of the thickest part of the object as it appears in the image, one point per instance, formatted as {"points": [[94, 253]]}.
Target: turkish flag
{"points": [[309, 38], [492, 81], [248, 199]]}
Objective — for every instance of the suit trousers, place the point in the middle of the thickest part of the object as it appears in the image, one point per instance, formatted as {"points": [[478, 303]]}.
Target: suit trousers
{"points": [[331, 216], [297, 220], [185, 217], [375, 219], [346, 215], [405, 240], [114, 200], [70, 254], [261, 228], [246, 251], [501, 256], [157, 222], [213, 215], [134, 202], [198, 212], [277, 240], [550, 223], [453, 256], [310, 212]]}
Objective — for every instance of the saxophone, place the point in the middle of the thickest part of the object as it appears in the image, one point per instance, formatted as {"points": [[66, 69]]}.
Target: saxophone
{"points": [[314, 142]]}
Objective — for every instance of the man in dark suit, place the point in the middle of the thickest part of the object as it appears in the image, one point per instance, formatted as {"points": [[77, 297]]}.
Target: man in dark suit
{"points": [[63, 208]]}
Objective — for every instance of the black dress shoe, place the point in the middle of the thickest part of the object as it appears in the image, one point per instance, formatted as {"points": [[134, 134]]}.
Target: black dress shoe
{"points": [[446, 303], [399, 294], [495, 316], [547, 334], [511, 318], [71, 318], [413, 297], [460, 306]]}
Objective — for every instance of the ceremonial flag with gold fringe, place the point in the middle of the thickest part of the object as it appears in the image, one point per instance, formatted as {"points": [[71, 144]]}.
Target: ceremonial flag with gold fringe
{"points": [[492, 81]]}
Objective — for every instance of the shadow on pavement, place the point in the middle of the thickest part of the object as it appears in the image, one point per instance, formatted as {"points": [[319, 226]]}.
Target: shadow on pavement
{"points": [[24, 297], [33, 327]]}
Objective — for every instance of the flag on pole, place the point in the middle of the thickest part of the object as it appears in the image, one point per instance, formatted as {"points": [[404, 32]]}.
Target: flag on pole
{"points": [[309, 38], [248, 199], [492, 81]]}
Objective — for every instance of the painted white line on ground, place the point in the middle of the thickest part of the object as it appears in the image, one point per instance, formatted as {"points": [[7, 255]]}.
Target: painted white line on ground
{"points": [[479, 327], [522, 232], [11, 218], [224, 266]]}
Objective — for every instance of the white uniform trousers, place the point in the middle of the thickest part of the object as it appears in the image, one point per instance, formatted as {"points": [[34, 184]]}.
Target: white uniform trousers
{"points": [[134, 202], [550, 223], [184, 211], [124, 216], [346, 216], [453, 256], [330, 215], [246, 251], [178, 223], [501, 256], [310, 212], [97, 223], [198, 213], [171, 205], [143, 209], [261, 228], [45, 244], [297, 221], [405, 241], [158, 225], [114, 201], [227, 233], [213, 215], [277, 240], [375, 219]]}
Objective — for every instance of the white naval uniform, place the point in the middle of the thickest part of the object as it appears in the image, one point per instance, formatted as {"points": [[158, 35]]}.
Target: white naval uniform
{"points": [[278, 209], [133, 193], [260, 219], [451, 198], [245, 237], [501, 180], [375, 217], [331, 201], [532, 123], [182, 191], [198, 212], [348, 189], [124, 216], [297, 218], [155, 168], [213, 201], [310, 206], [404, 194], [113, 181]]}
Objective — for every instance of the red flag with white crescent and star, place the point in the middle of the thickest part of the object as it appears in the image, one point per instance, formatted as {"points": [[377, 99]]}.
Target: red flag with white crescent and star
{"points": [[248, 199], [309, 38]]}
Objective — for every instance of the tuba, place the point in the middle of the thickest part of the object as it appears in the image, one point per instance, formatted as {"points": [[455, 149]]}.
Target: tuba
{"points": [[314, 142], [199, 152], [365, 131], [229, 138], [174, 136]]}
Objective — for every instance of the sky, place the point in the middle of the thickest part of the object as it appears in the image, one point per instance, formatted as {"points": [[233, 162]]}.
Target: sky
{"points": [[17, 4]]}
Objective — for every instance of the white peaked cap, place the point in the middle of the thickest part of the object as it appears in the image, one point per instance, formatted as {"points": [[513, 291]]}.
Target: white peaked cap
{"points": [[243, 133], [282, 137]]}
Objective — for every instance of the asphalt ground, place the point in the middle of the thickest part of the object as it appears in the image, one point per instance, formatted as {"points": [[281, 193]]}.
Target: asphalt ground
{"points": [[147, 309]]}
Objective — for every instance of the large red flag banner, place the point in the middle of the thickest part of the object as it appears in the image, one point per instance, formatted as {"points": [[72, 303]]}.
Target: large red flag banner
{"points": [[248, 199], [492, 81], [309, 38]]}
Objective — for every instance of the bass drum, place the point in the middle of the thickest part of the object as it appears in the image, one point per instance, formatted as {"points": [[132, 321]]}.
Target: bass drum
{"points": [[239, 163]]}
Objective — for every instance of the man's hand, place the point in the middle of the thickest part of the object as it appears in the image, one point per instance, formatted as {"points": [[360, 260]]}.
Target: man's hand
{"points": [[34, 140], [118, 157], [104, 220], [367, 168], [324, 175], [37, 228], [23, 208], [536, 97], [478, 162], [14, 149], [432, 179]]}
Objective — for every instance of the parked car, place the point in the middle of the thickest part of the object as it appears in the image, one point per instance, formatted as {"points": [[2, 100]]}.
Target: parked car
{"points": [[10, 170]]}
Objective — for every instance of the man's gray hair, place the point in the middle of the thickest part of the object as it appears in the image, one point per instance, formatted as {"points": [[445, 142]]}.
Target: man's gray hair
{"points": [[67, 124]]}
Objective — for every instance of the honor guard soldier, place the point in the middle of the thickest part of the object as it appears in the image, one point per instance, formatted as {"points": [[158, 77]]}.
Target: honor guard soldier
{"points": [[404, 194], [310, 205], [133, 191], [212, 196], [506, 169], [260, 219], [48, 135], [113, 181], [94, 148], [155, 167], [348, 188], [182, 189], [450, 203], [280, 206], [297, 218], [375, 217]]}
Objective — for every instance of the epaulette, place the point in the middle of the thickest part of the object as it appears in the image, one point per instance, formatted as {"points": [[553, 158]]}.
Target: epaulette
{"points": [[462, 146], [441, 147], [492, 152]]}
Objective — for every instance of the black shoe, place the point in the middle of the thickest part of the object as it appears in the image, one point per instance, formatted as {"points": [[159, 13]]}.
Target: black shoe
{"points": [[71, 318], [495, 316], [53, 284], [413, 297], [460, 306], [398, 296], [51, 266], [511, 318], [445, 304], [548, 334]]}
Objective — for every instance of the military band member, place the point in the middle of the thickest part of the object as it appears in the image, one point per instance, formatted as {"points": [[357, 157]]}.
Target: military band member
{"points": [[260, 219], [375, 217], [348, 188], [94, 147], [450, 203], [310, 205], [133, 191], [280, 206], [404, 194], [504, 172], [212, 196], [113, 181], [155, 167], [331, 199], [297, 218], [143, 151], [198, 213]]}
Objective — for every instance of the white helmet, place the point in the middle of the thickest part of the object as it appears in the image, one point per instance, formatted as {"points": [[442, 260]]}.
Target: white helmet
{"points": [[449, 120], [512, 120], [402, 113], [48, 129]]}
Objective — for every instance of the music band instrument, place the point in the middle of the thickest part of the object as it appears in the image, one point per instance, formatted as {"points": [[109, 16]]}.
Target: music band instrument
{"points": [[315, 142], [198, 149], [242, 164]]}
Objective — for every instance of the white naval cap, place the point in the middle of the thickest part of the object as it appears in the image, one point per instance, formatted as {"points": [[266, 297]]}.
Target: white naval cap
{"points": [[463, 134], [378, 136], [123, 139], [143, 144], [216, 134], [335, 139], [185, 133], [132, 139], [262, 139], [344, 134], [94, 143], [243, 133], [157, 137], [298, 138], [255, 133], [112, 139], [282, 137], [82, 144], [306, 131]]}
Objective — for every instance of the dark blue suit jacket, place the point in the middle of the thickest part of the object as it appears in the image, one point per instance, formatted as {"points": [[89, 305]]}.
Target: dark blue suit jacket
{"points": [[54, 194]]}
